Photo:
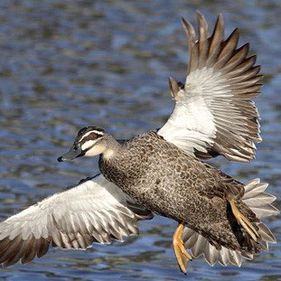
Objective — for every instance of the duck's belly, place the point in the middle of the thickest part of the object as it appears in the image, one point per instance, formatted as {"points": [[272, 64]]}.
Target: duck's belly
{"points": [[173, 190]]}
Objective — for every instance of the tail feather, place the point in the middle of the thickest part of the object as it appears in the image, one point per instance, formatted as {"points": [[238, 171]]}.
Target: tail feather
{"points": [[200, 246], [266, 234], [211, 254], [253, 188], [226, 257], [235, 258], [260, 203], [258, 200], [265, 211]]}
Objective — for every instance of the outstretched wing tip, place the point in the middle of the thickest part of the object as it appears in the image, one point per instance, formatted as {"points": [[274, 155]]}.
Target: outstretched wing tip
{"points": [[214, 112], [93, 211], [187, 26]]}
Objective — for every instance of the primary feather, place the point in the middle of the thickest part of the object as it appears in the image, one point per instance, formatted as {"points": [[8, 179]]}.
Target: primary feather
{"points": [[214, 113], [94, 211]]}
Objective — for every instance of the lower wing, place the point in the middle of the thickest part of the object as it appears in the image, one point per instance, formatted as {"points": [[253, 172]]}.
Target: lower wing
{"points": [[93, 211]]}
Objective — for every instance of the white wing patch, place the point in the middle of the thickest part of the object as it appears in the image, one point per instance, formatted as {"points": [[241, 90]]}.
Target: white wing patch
{"points": [[214, 113], [94, 211]]}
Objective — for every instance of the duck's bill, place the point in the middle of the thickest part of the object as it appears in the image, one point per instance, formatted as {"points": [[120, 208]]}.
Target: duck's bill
{"points": [[71, 154]]}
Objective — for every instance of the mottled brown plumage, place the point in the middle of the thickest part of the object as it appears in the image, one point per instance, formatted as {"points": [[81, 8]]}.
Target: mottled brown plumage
{"points": [[165, 180]]}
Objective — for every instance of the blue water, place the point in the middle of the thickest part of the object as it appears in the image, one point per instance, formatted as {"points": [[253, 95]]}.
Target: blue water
{"points": [[66, 64]]}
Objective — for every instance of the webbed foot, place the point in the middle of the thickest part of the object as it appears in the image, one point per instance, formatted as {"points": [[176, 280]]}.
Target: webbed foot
{"points": [[183, 257]]}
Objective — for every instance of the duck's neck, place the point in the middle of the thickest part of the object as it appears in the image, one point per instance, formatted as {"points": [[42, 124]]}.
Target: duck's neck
{"points": [[112, 146]]}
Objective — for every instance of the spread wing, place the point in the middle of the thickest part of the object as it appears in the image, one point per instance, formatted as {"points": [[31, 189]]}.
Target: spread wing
{"points": [[94, 211], [214, 113]]}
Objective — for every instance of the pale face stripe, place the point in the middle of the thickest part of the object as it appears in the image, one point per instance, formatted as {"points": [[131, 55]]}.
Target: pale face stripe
{"points": [[88, 144]]}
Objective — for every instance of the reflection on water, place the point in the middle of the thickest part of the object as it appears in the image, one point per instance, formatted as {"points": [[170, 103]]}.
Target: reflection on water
{"points": [[66, 64]]}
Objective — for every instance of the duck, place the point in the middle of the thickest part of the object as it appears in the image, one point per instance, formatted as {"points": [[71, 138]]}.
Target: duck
{"points": [[167, 181], [164, 171]]}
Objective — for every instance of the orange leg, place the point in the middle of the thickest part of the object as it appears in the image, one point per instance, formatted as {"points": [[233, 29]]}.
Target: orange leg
{"points": [[183, 257], [243, 221]]}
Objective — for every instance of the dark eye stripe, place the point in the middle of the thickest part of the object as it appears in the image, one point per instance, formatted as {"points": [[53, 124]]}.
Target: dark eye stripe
{"points": [[92, 136], [84, 130]]}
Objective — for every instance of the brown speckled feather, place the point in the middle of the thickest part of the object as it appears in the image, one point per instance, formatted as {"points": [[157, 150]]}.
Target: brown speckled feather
{"points": [[167, 181]]}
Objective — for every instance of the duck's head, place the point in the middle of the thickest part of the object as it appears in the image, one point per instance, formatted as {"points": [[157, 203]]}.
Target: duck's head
{"points": [[90, 141]]}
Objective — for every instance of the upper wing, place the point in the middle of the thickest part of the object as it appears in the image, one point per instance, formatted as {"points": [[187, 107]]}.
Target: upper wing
{"points": [[214, 113], [94, 211]]}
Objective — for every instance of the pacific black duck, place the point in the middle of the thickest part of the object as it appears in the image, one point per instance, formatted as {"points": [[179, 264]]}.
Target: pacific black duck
{"points": [[162, 172]]}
